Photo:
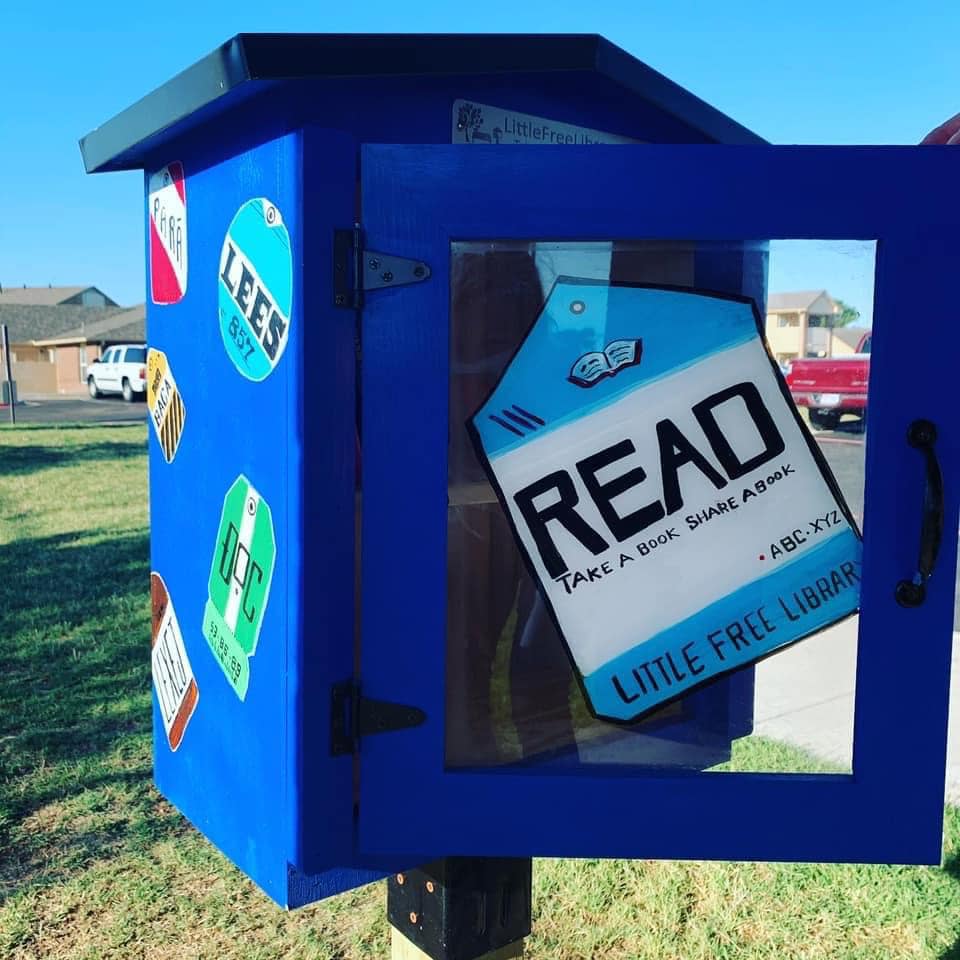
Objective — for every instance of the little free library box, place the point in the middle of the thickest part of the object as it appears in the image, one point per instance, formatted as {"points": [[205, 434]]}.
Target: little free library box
{"points": [[476, 492]]}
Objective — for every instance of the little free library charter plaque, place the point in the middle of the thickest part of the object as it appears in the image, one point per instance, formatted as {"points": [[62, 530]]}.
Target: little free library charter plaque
{"points": [[672, 506]]}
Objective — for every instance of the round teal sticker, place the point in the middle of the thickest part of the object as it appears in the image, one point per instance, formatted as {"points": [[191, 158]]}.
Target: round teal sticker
{"points": [[256, 288]]}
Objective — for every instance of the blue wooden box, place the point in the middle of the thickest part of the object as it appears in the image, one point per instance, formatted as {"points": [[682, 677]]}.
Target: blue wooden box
{"points": [[303, 706]]}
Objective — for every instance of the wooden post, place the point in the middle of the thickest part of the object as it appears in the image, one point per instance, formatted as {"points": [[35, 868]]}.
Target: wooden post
{"points": [[461, 908], [402, 949], [5, 338]]}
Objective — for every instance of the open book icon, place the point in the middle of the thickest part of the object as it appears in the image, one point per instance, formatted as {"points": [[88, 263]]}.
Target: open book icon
{"points": [[594, 366]]}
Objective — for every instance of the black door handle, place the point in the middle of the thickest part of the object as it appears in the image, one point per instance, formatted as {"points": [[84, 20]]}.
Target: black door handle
{"points": [[922, 436]]}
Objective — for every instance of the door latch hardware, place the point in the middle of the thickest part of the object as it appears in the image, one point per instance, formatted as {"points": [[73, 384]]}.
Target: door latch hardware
{"points": [[922, 436]]}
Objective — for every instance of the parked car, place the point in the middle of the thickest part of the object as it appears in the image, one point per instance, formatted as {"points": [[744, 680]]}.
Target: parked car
{"points": [[832, 386], [121, 369]]}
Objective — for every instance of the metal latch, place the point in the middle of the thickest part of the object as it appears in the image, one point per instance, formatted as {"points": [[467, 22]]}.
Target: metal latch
{"points": [[353, 716], [356, 270]]}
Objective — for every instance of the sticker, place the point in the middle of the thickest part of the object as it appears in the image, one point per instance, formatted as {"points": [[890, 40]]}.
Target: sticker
{"points": [[173, 680], [239, 581], [481, 123], [164, 403], [167, 205], [256, 289], [676, 513]]}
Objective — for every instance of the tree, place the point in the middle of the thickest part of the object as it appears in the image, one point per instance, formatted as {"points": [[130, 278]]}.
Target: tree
{"points": [[846, 316]]}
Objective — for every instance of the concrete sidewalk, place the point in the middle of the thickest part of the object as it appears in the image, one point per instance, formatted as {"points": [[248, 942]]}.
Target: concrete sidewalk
{"points": [[805, 696]]}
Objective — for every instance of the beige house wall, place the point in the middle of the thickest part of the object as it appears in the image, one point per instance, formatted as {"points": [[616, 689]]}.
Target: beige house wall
{"points": [[786, 343], [791, 342], [34, 376], [28, 352], [53, 369], [93, 353], [822, 305], [67, 363], [840, 348]]}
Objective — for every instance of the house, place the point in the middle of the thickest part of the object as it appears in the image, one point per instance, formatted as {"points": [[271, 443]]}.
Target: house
{"points": [[52, 345], [799, 324], [845, 340], [54, 297]]}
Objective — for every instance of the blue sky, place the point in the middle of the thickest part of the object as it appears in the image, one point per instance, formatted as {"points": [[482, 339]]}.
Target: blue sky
{"points": [[811, 72]]}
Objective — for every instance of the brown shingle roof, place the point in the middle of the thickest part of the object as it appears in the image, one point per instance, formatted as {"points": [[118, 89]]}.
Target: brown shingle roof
{"points": [[133, 332], [40, 296], [798, 300], [28, 323], [113, 326]]}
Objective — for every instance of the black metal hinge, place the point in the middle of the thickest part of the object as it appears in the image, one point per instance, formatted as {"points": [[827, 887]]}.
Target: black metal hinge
{"points": [[356, 270], [353, 716]]}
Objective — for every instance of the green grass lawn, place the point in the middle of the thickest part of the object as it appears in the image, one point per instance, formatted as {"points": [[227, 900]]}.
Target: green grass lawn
{"points": [[94, 864]]}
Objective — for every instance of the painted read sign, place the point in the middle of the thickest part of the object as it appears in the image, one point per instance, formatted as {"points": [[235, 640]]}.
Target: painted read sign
{"points": [[167, 412], [256, 288], [173, 680], [167, 206], [481, 123], [670, 502], [239, 583]]}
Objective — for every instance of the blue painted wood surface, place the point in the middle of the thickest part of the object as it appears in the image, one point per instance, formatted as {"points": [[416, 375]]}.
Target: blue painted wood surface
{"points": [[256, 776], [415, 201]]}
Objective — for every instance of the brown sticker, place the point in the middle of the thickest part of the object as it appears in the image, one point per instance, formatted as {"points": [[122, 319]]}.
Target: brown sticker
{"points": [[173, 680]]}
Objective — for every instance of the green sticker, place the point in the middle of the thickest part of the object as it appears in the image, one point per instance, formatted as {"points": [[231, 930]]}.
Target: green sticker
{"points": [[239, 583]]}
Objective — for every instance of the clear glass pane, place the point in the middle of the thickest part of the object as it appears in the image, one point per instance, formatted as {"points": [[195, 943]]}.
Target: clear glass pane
{"points": [[818, 321], [513, 694]]}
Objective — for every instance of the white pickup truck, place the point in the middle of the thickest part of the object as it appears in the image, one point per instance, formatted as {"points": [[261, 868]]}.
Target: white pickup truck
{"points": [[121, 369]]}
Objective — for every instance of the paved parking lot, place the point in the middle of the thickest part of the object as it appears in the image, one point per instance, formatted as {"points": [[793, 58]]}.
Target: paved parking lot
{"points": [[845, 455], [80, 409]]}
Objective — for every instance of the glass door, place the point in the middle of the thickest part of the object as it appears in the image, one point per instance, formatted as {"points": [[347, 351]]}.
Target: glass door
{"points": [[614, 493]]}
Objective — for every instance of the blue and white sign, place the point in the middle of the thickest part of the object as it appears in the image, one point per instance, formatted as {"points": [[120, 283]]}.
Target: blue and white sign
{"points": [[668, 498], [256, 288]]}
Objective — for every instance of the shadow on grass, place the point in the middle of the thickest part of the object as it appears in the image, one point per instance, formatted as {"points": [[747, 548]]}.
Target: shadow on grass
{"points": [[951, 867], [62, 581], [16, 460], [44, 857], [74, 703]]}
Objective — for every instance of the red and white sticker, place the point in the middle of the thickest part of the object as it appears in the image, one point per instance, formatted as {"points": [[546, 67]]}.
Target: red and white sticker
{"points": [[167, 205]]}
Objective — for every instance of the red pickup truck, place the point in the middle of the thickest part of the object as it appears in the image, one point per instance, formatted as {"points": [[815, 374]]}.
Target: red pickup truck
{"points": [[832, 386]]}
